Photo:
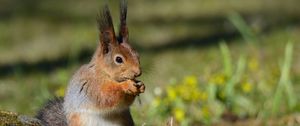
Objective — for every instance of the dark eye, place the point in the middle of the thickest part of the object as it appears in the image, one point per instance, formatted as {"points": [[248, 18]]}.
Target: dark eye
{"points": [[119, 60]]}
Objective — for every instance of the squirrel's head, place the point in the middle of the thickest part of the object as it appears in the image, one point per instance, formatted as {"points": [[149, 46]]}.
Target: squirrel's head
{"points": [[115, 56]]}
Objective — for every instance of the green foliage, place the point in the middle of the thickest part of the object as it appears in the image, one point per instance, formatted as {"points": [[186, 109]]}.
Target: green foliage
{"points": [[285, 84], [244, 29], [196, 100]]}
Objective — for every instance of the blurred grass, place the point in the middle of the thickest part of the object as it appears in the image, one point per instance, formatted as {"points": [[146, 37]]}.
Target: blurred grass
{"points": [[59, 25], [43, 43]]}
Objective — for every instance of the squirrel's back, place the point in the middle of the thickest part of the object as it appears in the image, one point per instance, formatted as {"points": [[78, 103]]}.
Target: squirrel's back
{"points": [[52, 114]]}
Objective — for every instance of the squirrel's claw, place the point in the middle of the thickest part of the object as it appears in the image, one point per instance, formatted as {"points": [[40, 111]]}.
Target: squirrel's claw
{"points": [[140, 85]]}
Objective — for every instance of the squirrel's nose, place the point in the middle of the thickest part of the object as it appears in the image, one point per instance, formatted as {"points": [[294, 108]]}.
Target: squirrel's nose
{"points": [[137, 72]]}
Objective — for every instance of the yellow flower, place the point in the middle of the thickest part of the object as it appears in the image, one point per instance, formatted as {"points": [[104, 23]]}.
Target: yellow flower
{"points": [[218, 79], [196, 95], [156, 102], [184, 92], [190, 81], [247, 87], [60, 91], [179, 114], [171, 93], [204, 96]]}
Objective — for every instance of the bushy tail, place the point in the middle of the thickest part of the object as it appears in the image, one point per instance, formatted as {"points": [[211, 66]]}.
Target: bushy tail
{"points": [[52, 114]]}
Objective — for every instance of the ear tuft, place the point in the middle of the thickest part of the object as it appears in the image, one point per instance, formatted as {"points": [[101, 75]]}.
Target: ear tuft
{"points": [[106, 28], [104, 20], [123, 31]]}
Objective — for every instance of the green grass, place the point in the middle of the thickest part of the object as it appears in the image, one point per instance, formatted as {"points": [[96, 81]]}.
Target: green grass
{"points": [[253, 76], [30, 91]]}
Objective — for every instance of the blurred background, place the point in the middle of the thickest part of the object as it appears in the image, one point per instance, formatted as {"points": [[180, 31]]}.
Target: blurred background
{"points": [[205, 62]]}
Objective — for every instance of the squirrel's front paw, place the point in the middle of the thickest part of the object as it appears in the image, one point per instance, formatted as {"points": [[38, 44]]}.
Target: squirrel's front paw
{"points": [[140, 85], [134, 87]]}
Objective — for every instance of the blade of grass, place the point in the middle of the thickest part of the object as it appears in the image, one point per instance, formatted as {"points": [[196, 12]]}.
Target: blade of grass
{"points": [[226, 58], [229, 88], [284, 83], [228, 68], [288, 84], [292, 100], [212, 92], [242, 27]]}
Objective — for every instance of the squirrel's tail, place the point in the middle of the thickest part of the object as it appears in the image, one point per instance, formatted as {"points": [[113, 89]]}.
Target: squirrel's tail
{"points": [[52, 114]]}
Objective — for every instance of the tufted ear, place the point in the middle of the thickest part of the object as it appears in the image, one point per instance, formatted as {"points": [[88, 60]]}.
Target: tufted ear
{"points": [[106, 28], [123, 31]]}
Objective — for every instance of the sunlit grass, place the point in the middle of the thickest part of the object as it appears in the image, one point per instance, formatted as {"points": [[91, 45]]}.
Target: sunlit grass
{"points": [[205, 100]]}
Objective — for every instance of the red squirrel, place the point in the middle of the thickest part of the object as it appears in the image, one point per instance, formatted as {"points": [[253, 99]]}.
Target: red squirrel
{"points": [[101, 92]]}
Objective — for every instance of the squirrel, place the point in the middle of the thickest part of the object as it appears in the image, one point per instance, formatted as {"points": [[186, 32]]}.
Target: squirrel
{"points": [[101, 92]]}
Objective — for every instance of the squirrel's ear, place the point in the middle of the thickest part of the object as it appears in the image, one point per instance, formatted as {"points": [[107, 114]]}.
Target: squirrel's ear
{"points": [[106, 28], [123, 31]]}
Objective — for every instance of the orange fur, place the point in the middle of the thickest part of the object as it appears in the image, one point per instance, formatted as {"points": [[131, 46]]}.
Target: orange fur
{"points": [[75, 120], [111, 94]]}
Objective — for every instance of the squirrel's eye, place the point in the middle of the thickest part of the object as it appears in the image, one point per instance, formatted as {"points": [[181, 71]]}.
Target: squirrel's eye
{"points": [[119, 59]]}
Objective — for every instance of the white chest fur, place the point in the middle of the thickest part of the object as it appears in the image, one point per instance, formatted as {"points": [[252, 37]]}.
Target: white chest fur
{"points": [[92, 119]]}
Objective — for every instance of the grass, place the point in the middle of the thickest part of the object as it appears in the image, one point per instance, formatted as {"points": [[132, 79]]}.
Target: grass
{"points": [[32, 90], [250, 76], [285, 84], [236, 94]]}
